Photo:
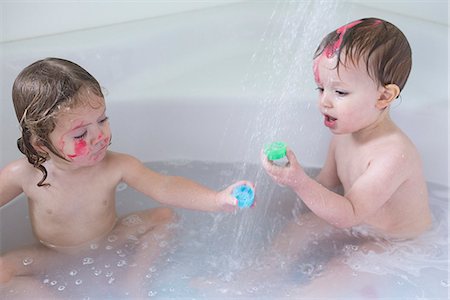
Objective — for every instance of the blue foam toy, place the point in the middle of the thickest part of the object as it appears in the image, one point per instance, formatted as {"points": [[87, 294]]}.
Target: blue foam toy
{"points": [[245, 195]]}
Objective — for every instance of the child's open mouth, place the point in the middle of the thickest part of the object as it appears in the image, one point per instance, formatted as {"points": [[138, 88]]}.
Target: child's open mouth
{"points": [[329, 121]]}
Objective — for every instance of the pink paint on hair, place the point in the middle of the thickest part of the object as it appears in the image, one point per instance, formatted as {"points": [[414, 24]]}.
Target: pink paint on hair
{"points": [[332, 49], [316, 69]]}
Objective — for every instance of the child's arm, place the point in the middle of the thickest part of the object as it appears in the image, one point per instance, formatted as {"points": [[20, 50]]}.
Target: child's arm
{"points": [[10, 186], [175, 190], [369, 192]]}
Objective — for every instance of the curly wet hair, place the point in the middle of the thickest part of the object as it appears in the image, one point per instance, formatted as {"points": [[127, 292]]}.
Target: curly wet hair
{"points": [[39, 92]]}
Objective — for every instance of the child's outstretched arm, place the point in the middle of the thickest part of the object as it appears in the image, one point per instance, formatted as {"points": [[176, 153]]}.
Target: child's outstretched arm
{"points": [[175, 190], [10, 186], [369, 192]]}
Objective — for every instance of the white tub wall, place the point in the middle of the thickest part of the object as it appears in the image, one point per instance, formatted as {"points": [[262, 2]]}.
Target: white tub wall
{"points": [[30, 19], [179, 78]]}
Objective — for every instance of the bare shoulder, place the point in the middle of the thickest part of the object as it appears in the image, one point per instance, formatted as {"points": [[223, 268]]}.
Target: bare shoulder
{"points": [[122, 163], [14, 178], [397, 153], [18, 171], [120, 160]]}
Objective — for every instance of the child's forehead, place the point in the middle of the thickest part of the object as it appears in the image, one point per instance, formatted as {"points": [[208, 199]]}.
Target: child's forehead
{"points": [[72, 115], [345, 69]]}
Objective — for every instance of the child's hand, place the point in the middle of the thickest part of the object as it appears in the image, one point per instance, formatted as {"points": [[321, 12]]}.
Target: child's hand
{"points": [[289, 175], [225, 199]]}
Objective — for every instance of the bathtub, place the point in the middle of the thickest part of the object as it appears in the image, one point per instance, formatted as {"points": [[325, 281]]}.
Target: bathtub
{"points": [[199, 93]]}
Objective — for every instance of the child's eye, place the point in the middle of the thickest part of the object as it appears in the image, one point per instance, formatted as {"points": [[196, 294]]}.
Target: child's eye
{"points": [[103, 120], [319, 89], [341, 93], [81, 136]]}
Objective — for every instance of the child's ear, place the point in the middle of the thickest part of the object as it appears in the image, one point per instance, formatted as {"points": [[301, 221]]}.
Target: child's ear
{"points": [[389, 93]]}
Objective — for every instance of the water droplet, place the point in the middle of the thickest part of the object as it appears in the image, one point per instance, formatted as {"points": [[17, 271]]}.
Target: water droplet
{"points": [[73, 272], [445, 283], [54, 282], [27, 261], [46, 281], [94, 246], [78, 281], [111, 280], [97, 272], [88, 260], [152, 293], [61, 288]]}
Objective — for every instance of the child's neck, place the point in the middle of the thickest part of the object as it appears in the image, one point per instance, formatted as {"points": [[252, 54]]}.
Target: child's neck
{"points": [[380, 127]]}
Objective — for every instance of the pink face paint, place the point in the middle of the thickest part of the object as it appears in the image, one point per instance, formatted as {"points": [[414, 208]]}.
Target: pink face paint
{"points": [[81, 149], [332, 49]]}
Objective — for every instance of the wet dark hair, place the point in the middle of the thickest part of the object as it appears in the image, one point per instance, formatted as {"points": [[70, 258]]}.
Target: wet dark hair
{"points": [[381, 44], [39, 92]]}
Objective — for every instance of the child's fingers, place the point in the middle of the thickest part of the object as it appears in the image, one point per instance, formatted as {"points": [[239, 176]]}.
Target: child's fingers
{"points": [[291, 156]]}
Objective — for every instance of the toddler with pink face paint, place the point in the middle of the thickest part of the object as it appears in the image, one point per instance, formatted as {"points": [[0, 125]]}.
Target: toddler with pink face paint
{"points": [[70, 177], [371, 186]]}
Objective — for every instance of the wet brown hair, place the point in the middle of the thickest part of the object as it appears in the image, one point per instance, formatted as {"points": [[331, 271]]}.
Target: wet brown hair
{"points": [[39, 92], [381, 44]]}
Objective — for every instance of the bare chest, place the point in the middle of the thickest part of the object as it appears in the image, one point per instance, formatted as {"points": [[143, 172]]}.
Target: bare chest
{"points": [[351, 163], [72, 210]]}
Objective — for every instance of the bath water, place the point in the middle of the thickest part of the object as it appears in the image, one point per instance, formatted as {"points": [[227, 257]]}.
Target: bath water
{"points": [[220, 246]]}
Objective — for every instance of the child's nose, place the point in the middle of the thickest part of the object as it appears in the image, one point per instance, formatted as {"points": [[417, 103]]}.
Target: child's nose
{"points": [[325, 100], [100, 134]]}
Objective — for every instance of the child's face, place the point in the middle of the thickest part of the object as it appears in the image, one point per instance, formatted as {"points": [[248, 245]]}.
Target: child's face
{"points": [[82, 134], [348, 99]]}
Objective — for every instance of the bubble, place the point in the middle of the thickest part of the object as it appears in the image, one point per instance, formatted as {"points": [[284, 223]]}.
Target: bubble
{"points": [[94, 246], [121, 263], [46, 281], [88, 260], [78, 281], [132, 237], [97, 272], [112, 238], [27, 261], [109, 247], [121, 187], [111, 280], [109, 274], [61, 288], [132, 220], [152, 293], [73, 272], [54, 282]]}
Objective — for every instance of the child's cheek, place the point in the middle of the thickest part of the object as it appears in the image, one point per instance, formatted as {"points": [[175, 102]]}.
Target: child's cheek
{"points": [[80, 149]]}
